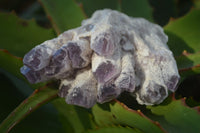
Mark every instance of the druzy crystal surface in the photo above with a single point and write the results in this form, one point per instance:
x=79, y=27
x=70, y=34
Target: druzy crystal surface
x=108, y=54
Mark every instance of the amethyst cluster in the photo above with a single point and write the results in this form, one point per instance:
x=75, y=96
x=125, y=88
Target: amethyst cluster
x=108, y=54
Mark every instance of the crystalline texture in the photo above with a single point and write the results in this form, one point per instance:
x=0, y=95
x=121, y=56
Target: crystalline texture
x=108, y=54
x=81, y=91
x=126, y=80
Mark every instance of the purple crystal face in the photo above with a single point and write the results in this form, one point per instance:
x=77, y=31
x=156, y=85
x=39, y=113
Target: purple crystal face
x=104, y=44
x=52, y=70
x=37, y=58
x=105, y=72
x=127, y=83
x=31, y=75
x=31, y=59
x=64, y=90
x=154, y=93
x=58, y=62
x=78, y=97
x=74, y=55
x=59, y=56
x=172, y=83
x=107, y=92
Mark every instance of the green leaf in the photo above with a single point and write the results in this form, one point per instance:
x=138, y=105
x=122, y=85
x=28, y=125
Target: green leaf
x=114, y=130
x=137, y=8
x=196, y=3
x=10, y=97
x=191, y=102
x=74, y=119
x=184, y=41
x=20, y=84
x=34, y=101
x=90, y=6
x=63, y=14
x=45, y=118
x=185, y=29
x=163, y=10
x=175, y=116
x=11, y=63
x=18, y=36
x=117, y=113
x=134, y=8
x=188, y=64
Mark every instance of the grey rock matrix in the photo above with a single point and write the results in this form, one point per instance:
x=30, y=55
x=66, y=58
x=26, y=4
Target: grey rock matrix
x=108, y=54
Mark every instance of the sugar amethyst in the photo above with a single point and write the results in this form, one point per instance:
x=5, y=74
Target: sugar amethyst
x=108, y=54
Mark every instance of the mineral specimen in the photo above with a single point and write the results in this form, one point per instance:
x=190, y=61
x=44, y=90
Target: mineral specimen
x=108, y=54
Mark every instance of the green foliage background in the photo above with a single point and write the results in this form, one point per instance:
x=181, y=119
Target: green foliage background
x=37, y=108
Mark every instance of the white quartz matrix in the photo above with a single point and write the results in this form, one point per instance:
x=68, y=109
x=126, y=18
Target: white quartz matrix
x=108, y=54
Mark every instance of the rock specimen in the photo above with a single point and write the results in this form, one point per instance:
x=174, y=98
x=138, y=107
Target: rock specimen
x=108, y=54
